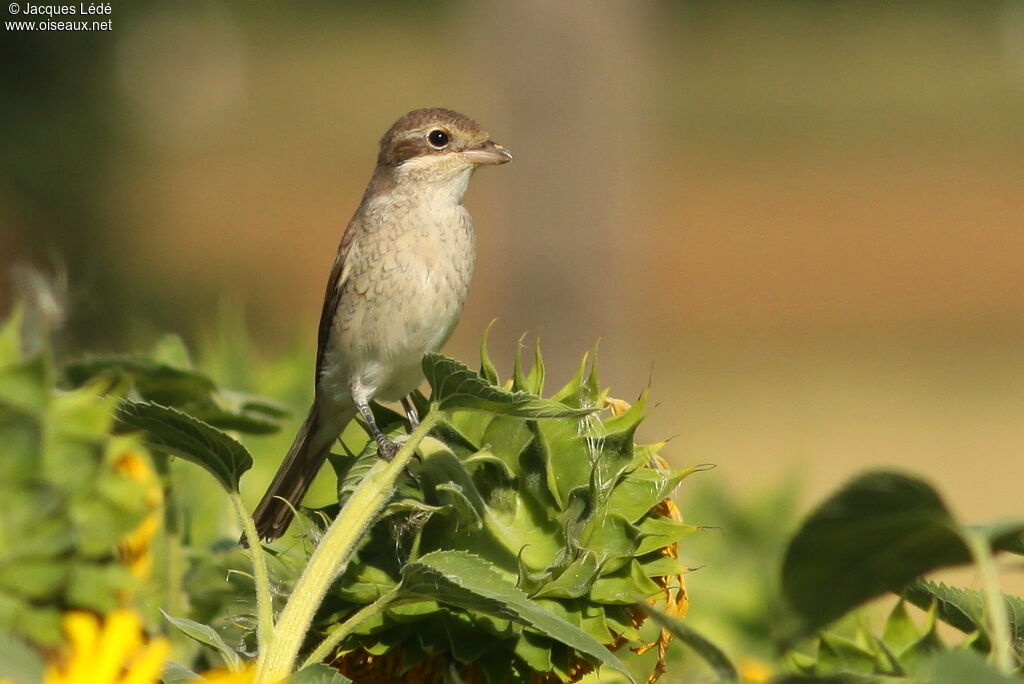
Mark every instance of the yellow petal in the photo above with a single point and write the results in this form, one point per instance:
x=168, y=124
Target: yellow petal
x=122, y=636
x=754, y=671
x=83, y=631
x=149, y=664
x=51, y=675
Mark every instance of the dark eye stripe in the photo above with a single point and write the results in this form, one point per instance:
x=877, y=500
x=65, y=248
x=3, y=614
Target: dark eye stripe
x=403, y=150
x=417, y=144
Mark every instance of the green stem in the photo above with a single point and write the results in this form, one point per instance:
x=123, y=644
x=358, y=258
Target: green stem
x=173, y=569
x=995, y=606
x=332, y=555
x=261, y=578
x=174, y=573
x=337, y=636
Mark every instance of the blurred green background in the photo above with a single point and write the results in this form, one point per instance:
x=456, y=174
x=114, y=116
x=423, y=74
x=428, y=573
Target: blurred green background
x=802, y=222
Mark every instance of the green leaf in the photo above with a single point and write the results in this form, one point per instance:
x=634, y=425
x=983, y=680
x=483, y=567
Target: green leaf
x=318, y=673
x=364, y=583
x=960, y=667
x=467, y=581
x=350, y=470
x=964, y=608
x=252, y=404
x=720, y=663
x=103, y=521
x=535, y=651
x=535, y=380
x=10, y=337
x=174, y=384
x=612, y=539
x=240, y=412
x=40, y=532
x=1013, y=544
x=644, y=488
x=180, y=434
x=839, y=654
x=518, y=377
x=455, y=386
x=85, y=413
x=830, y=679
x=171, y=350
x=900, y=631
x=657, y=565
x=466, y=641
x=876, y=534
x=98, y=587
x=174, y=673
x=1007, y=535
x=487, y=370
x=485, y=457
x=573, y=581
x=33, y=579
x=24, y=386
x=957, y=607
x=455, y=499
x=657, y=532
x=208, y=636
x=629, y=584
x=578, y=392
x=40, y=625
x=568, y=456
x=507, y=438
x=909, y=658
x=156, y=382
x=19, y=663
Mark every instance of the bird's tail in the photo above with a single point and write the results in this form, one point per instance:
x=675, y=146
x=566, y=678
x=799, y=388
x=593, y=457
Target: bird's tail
x=298, y=470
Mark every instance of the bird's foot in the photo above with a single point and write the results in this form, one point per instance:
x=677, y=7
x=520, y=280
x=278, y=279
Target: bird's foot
x=386, y=449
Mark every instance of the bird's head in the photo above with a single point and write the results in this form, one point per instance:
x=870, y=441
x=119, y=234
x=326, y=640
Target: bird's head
x=437, y=146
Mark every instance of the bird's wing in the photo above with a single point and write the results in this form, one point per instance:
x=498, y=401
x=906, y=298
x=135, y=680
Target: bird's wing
x=335, y=286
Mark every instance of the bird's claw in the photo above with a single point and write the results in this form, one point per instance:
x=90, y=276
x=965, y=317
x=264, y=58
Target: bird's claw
x=386, y=449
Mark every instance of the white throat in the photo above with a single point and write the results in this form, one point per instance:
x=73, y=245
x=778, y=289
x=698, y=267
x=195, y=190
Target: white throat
x=434, y=183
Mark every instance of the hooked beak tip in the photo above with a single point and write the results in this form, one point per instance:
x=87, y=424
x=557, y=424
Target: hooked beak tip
x=490, y=153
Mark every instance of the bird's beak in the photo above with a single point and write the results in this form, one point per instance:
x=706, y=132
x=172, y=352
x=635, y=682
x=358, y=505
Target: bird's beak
x=487, y=152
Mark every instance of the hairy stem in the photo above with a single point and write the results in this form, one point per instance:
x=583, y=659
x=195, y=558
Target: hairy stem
x=261, y=578
x=360, y=616
x=995, y=605
x=332, y=555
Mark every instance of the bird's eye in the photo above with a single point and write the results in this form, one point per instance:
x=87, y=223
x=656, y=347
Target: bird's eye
x=437, y=139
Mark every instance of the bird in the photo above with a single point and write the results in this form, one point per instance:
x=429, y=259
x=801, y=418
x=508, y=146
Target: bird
x=395, y=293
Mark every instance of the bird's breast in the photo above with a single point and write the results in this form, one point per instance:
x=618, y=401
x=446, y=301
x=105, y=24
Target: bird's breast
x=409, y=270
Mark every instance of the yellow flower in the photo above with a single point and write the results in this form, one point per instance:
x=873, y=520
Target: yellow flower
x=117, y=652
x=112, y=653
x=754, y=671
x=135, y=547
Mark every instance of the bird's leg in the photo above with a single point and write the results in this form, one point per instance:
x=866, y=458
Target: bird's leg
x=410, y=413
x=386, y=449
x=413, y=416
